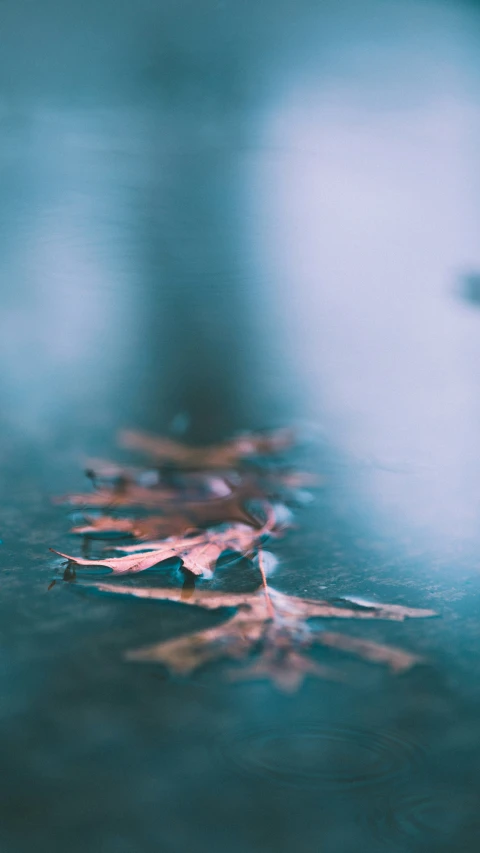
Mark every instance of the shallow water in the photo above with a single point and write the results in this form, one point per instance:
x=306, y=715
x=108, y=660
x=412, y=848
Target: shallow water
x=252, y=216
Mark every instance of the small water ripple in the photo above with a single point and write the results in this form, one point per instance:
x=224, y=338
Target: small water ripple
x=337, y=759
x=404, y=820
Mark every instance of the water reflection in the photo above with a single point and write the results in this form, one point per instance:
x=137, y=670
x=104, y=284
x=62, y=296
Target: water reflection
x=203, y=325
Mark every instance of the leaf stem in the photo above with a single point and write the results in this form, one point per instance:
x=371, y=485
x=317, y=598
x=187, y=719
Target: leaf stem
x=270, y=608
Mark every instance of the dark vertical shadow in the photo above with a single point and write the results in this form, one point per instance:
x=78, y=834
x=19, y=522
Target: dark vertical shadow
x=200, y=346
x=205, y=346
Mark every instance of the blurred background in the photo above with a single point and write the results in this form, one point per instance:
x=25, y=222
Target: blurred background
x=249, y=214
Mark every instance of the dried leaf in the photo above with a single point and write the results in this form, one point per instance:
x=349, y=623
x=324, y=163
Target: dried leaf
x=123, y=565
x=141, y=528
x=296, y=479
x=104, y=524
x=289, y=608
x=185, y=498
x=186, y=484
x=396, y=611
x=198, y=553
x=104, y=469
x=236, y=537
x=225, y=455
x=201, y=559
x=127, y=495
x=200, y=598
x=192, y=513
x=273, y=624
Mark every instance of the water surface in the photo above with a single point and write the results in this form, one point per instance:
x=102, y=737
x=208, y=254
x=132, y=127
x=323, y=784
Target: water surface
x=252, y=215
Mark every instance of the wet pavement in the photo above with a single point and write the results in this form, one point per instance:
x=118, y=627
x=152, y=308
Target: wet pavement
x=251, y=216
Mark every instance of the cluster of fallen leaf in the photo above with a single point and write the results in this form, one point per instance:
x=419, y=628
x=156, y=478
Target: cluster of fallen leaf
x=195, y=504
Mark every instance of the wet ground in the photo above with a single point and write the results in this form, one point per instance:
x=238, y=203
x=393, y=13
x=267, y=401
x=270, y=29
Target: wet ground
x=254, y=214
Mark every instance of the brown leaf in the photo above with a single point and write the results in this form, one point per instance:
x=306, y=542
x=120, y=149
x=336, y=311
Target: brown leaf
x=272, y=620
x=225, y=455
x=188, y=490
x=296, y=479
x=141, y=528
x=199, y=553
x=104, y=469
x=228, y=508
x=201, y=559
x=288, y=607
x=128, y=495
x=395, y=612
x=192, y=513
x=123, y=565
x=200, y=598
x=104, y=524
x=187, y=485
